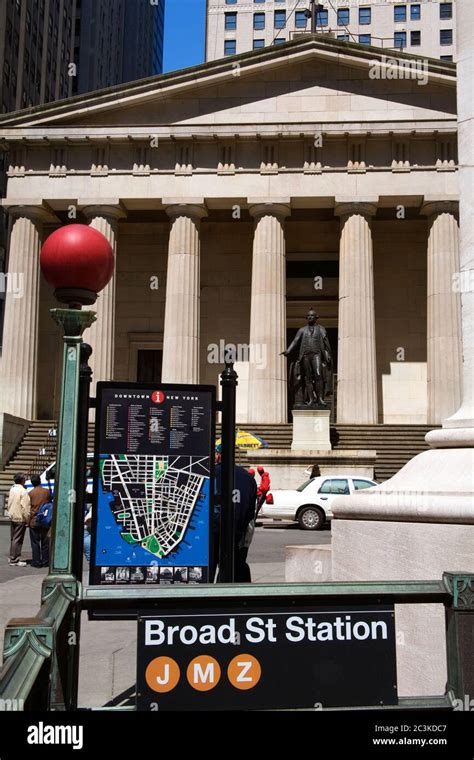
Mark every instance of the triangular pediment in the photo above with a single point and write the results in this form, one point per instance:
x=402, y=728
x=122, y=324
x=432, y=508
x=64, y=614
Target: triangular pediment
x=311, y=79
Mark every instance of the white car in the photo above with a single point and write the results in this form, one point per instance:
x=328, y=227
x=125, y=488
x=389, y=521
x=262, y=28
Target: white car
x=310, y=504
x=48, y=477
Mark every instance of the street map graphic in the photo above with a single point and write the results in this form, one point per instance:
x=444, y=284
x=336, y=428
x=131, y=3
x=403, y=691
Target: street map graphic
x=154, y=497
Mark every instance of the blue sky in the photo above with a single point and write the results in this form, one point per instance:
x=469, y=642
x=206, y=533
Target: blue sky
x=184, y=42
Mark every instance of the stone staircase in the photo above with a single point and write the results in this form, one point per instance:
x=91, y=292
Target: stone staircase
x=395, y=445
x=28, y=457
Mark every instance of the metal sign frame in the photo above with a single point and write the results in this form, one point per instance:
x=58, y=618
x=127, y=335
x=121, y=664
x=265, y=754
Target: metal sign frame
x=147, y=387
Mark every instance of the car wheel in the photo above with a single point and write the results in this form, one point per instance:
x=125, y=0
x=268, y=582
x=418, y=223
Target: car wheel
x=310, y=518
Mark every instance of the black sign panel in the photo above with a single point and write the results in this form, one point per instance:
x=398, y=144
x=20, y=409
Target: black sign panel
x=153, y=484
x=288, y=656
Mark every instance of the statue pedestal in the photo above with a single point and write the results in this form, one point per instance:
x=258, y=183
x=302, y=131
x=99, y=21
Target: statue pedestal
x=311, y=430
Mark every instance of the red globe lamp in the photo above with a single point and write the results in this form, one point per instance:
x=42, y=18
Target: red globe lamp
x=78, y=261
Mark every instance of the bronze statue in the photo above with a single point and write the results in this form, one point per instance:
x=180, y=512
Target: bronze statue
x=309, y=374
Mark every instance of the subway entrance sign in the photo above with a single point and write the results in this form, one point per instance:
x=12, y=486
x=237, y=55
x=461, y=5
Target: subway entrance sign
x=284, y=657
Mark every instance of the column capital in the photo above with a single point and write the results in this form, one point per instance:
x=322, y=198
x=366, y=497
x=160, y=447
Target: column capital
x=35, y=210
x=433, y=207
x=280, y=207
x=110, y=208
x=194, y=208
x=346, y=207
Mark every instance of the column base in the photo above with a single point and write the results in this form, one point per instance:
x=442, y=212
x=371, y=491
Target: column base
x=434, y=486
x=455, y=438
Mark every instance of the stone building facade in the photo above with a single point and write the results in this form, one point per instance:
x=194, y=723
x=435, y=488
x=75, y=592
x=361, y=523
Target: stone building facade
x=236, y=194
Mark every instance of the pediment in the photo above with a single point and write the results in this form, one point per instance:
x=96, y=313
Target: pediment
x=309, y=80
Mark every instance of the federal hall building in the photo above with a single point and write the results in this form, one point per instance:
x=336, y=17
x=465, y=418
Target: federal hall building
x=236, y=195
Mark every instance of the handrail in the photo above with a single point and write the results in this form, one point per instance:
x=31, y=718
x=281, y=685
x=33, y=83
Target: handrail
x=20, y=672
x=46, y=453
x=29, y=644
x=32, y=644
x=398, y=592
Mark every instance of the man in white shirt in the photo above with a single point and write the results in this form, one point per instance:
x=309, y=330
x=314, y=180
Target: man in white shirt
x=19, y=512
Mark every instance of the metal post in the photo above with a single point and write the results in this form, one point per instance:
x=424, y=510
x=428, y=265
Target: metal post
x=227, y=520
x=85, y=376
x=460, y=636
x=61, y=579
x=313, y=15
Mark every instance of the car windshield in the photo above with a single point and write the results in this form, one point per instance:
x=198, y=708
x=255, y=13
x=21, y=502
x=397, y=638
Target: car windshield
x=306, y=483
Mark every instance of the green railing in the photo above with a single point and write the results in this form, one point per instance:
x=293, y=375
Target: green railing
x=39, y=655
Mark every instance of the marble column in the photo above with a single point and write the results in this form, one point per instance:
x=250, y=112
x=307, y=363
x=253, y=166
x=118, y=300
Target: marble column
x=20, y=330
x=101, y=335
x=268, y=377
x=357, y=369
x=182, y=308
x=444, y=344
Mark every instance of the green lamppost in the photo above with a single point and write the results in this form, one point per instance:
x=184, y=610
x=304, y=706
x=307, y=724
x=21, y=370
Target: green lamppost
x=78, y=262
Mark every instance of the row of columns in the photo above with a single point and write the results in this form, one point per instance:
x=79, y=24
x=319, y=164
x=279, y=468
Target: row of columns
x=357, y=370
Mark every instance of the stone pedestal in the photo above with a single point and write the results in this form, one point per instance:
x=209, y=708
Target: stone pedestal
x=308, y=563
x=289, y=469
x=311, y=430
x=388, y=550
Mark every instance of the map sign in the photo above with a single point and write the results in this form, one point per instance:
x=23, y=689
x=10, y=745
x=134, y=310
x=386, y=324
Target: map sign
x=152, y=484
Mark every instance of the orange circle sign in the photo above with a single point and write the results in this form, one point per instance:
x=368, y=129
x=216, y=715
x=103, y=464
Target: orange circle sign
x=244, y=671
x=162, y=674
x=203, y=673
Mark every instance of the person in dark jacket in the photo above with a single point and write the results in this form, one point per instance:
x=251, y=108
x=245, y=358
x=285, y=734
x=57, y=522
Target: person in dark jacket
x=245, y=496
x=38, y=534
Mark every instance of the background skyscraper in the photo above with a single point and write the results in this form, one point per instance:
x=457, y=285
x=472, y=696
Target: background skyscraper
x=36, y=45
x=426, y=27
x=117, y=41
x=53, y=49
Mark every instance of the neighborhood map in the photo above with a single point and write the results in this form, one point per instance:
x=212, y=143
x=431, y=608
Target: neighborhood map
x=154, y=497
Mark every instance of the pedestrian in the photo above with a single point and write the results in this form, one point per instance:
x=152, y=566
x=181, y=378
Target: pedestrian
x=244, y=520
x=263, y=487
x=18, y=510
x=39, y=533
x=87, y=526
